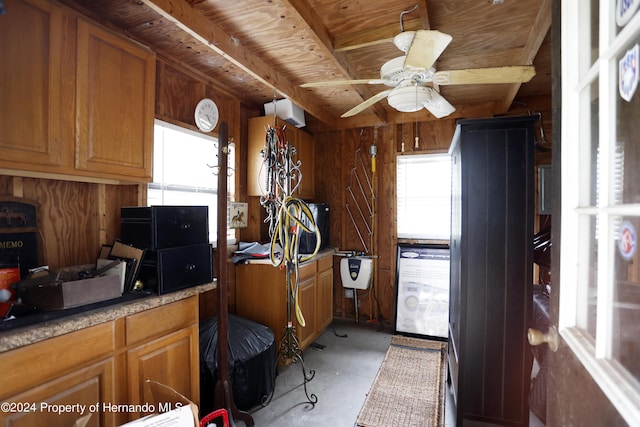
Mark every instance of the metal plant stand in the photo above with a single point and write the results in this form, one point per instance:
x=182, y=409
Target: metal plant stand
x=283, y=177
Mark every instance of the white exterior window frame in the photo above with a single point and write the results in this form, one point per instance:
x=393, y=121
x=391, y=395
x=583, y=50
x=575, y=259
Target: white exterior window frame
x=578, y=74
x=414, y=220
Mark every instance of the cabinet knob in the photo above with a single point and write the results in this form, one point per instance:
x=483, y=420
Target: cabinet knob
x=536, y=337
x=185, y=226
x=190, y=267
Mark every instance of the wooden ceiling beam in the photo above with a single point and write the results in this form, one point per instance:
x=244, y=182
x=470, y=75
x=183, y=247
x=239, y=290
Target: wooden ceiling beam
x=423, y=8
x=477, y=109
x=374, y=36
x=213, y=37
x=322, y=37
x=536, y=37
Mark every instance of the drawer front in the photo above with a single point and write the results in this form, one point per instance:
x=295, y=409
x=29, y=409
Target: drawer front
x=308, y=269
x=183, y=267
x=325, y=263
x=160, y=227
x=161, y=320
x=180, y=226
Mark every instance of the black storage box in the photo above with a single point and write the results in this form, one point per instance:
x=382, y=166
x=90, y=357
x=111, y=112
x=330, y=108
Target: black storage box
x=172, y=269
x=159, y=227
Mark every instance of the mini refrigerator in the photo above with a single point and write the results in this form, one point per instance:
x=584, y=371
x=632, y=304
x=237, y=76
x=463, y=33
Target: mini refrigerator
x=422, y=291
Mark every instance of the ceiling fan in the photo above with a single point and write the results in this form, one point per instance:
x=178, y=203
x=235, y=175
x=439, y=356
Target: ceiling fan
x=414, y=82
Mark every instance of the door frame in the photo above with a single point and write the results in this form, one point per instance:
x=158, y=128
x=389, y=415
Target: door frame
x=573, y=396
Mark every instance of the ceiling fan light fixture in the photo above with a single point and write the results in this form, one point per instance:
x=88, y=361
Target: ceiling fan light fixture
x=403, y=40
x=394, y=73
x=409, y=99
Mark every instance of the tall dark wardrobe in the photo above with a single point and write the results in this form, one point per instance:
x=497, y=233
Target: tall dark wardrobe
x=491, y=269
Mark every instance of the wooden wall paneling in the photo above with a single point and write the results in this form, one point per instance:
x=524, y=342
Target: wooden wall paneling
x=328, y=188
x=178, y=90
x=386, y=225
x=70, y=225
x=176, y=93
x=229, y=110
x=115, y=197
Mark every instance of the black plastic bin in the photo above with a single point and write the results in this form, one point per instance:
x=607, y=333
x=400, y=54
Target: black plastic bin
x=252, y=362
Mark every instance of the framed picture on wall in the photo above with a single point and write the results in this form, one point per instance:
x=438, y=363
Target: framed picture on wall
x=238, y=213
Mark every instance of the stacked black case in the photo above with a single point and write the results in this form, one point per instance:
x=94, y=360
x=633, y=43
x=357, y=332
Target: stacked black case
x=178, y=254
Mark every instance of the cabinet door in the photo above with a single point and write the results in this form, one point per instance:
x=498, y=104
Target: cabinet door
x=172, y=360
x=36, y=107
x=86, y=390
x=256, y=172
x=261, y=296
x=307, y=302
x=114, y=105
x=325, y=292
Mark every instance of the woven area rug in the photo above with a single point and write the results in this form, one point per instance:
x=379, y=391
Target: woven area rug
x=409, y=389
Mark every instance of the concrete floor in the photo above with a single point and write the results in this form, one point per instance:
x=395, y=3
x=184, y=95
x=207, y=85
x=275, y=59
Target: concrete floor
x=344, y=372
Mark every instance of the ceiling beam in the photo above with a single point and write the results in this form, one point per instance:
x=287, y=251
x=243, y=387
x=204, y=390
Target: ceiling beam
x=424, y=14
x=383, y=34
x=213, y=37
x=538, y=32
x=374, y=36
x=477, y=109
x=311, y=19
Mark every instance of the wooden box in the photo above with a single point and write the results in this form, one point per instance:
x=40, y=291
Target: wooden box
x=61, y=295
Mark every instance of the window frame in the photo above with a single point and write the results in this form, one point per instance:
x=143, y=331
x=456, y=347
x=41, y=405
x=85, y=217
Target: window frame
x=432, y=155
x=578, y=210
x=231, y=185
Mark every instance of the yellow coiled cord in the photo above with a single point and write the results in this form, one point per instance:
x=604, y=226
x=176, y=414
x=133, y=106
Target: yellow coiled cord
x=293, y=217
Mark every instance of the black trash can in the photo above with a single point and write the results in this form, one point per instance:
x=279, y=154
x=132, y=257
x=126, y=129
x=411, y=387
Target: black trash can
x=252, y=362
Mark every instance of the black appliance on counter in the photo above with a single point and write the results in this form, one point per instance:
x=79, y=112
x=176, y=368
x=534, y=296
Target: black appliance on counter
x=178, y=254
x=320, y=213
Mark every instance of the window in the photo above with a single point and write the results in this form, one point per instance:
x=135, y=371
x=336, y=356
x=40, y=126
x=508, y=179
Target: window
x=424, y=196
x=183, y=172
x=600, y=268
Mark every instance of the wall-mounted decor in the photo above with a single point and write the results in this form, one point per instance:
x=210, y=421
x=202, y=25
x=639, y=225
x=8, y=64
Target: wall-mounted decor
x=238, y=212
x=20, y=232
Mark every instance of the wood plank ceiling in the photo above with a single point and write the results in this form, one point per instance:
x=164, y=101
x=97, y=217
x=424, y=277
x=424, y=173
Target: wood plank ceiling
x=261, y=49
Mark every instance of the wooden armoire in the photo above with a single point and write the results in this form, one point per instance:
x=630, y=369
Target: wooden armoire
x=492, y=212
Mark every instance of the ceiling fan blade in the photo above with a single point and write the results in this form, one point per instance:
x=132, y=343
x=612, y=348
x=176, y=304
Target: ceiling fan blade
x=510, y=74
x=346, y=82
x=437, y=105
x=366, y=104
x=425, y=49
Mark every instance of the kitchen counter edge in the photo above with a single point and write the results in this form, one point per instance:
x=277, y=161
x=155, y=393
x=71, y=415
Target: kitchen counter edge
x=20, y=337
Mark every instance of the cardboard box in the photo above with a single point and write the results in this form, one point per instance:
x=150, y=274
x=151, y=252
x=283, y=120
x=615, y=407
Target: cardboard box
x=182, y=413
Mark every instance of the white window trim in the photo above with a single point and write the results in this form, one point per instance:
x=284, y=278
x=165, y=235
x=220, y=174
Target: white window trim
x=606, y=372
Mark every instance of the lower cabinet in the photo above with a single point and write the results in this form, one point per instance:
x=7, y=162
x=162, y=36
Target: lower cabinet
x=163, y=360
x=95, y=369
x=85, y=390
x=261, y=296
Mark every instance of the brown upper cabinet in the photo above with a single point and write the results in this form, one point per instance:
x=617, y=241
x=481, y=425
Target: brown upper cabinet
x=77, y=100
x=301, y=140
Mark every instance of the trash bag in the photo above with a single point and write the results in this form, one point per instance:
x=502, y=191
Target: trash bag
x=252, y=362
